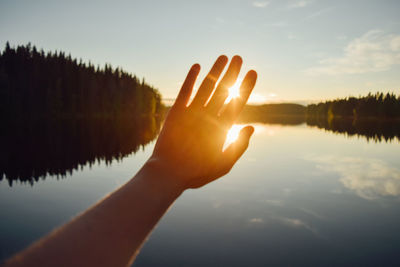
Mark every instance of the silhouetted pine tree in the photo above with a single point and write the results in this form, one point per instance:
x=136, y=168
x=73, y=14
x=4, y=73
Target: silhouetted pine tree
x=376, y=105
x=35, y=84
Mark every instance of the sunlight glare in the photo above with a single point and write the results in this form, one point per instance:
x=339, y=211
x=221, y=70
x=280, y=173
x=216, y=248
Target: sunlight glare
x=234, y=91
x=233, y=134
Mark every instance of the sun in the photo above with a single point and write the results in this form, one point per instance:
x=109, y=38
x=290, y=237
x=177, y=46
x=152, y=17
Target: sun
x=234, y=91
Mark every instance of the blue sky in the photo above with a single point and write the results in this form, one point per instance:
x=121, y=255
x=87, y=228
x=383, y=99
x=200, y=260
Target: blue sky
x=301, y=49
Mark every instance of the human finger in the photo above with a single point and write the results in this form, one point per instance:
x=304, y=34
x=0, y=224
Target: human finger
x=235, y=106
x=187, y=87
x=221, y=92
x=207, y=86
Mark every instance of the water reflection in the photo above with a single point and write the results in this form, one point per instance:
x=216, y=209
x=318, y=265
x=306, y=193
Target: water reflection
x=34, y=149
x=298, y=197
x=369, y=178
x=372, y=129
x=271, y=119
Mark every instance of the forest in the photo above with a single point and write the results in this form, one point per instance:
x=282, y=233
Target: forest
x=59, y=114
x=375, y=116
x=35, y=84
x=378, y=105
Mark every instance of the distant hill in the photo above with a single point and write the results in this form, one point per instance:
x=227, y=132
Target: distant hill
x=373, y=106
x=285, y=113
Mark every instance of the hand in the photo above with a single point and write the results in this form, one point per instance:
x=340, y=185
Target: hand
x=189, y=149
x=188, y=154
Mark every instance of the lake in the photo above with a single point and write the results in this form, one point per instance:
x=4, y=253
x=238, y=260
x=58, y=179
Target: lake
x=300, y=196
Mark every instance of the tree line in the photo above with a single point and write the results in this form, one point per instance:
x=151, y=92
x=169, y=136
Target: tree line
x=378, y=105
x=35, y=84
x=375, y=116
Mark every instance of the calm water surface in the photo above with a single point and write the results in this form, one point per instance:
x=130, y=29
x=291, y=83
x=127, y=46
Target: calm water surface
x=300, y=196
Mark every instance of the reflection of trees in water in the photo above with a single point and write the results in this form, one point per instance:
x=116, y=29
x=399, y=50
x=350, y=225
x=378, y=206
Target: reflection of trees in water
x=283, y=114
x=274, y=119
x=34, y=149
x=376, y=130
x=61, y=91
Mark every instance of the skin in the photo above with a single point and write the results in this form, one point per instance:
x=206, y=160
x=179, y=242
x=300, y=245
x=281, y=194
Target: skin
x=188, y=154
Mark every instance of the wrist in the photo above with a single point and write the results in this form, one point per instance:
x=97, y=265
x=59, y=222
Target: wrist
x=161, y=179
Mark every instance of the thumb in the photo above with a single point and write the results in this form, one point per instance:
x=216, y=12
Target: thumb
x=234, y=151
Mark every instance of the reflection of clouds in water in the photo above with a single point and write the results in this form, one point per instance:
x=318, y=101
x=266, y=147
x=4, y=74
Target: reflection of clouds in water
x=313, y=213
x=336, y=191
x=369, y=178
x=294, y=222
x=221, y=204
x=297, y=223
x=256, y=220
x=285, y=221
x=288, y=191
x=274, y=202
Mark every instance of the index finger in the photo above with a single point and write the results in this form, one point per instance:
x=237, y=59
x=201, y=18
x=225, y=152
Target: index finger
x=187, y=87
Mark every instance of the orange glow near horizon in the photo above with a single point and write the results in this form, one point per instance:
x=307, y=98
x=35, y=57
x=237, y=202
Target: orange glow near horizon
x=254, y=98
x=258, y=99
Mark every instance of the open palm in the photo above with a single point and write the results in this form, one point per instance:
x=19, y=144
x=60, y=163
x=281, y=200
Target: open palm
x=190, y=145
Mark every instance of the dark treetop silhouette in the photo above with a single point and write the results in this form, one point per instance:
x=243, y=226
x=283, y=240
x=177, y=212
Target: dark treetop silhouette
x=57, y=113
x=34, y=84
x=378, y=105
x=188, y=154
x=375, y=116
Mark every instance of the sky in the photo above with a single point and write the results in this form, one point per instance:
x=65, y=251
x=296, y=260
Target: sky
x=303, y=50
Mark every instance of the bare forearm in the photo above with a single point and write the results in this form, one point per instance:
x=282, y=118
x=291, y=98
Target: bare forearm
x=111, y=232
x=188, y=154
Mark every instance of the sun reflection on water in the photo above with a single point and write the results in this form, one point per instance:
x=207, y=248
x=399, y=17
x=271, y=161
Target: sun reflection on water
x=233, y=134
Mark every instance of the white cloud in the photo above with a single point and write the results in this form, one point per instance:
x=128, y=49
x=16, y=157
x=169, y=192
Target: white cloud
x=395, y=43
x=368, y=178
x=261, y=4
x=375, y=51
x=274, y=202
x=299, y=4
